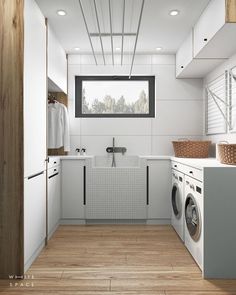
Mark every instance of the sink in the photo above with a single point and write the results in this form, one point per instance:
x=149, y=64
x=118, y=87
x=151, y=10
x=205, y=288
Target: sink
x=122, y=161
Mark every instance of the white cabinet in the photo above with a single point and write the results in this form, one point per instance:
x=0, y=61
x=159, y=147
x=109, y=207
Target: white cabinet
x=189, y=67
x=159, y=189
x=54, y=200
x=211, y=42
x=35, y=150
x=34, y=216
x=73, y=189
x=214, y=33
x=57, y=62
x=34, y=89
x=185, y=54
x=209, y=23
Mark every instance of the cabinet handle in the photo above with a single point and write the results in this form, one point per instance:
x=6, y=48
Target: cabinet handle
x=205, y=39
x=35, y=175
x=53, y=175
x=84, y=185
x=191, y=172
x=182, y=67
x=55, y=162
x=175, y=166
x=147, y=185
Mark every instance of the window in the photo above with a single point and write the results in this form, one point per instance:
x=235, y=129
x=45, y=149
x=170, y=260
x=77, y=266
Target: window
x=115, y=96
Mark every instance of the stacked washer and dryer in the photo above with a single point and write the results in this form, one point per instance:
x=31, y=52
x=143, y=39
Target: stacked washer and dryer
x=187, y=211
x=203, y=213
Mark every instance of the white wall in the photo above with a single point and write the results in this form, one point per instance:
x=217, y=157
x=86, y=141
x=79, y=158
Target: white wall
x=179, y=109
x=227, y=65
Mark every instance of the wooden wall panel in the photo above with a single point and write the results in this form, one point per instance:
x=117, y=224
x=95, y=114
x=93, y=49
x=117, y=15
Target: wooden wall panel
x=230, y=11
x=11, y=137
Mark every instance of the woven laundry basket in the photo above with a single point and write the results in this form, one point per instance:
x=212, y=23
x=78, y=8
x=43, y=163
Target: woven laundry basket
x=227, y=153
x=191, y=148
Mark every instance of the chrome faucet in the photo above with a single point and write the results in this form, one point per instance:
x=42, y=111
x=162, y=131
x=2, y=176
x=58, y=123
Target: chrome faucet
x=114, y=150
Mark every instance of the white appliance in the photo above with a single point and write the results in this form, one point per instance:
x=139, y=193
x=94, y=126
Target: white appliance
x=193, y=213
x=53, y=200
x=177, y=203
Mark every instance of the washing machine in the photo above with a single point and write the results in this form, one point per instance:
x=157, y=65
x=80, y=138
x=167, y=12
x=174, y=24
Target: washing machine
x=177, y=203
x=193, y=215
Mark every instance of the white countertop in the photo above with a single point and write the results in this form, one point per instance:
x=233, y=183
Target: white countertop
x=153, y=157
x=75, y=157
x=201, y=163
x=192, y=162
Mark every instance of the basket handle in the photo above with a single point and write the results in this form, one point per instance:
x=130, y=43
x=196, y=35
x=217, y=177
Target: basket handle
x=223, y=141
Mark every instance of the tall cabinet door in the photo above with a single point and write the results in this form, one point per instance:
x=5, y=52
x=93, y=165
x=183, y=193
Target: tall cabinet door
x=34, y=89
x=34, y=216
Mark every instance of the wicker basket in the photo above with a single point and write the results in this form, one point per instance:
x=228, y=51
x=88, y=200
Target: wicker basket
x=191, y=149
x=227, y=153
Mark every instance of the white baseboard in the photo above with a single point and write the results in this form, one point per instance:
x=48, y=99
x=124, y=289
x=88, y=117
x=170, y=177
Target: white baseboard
x=114, y=221
x=72, y=221
x=158, y=221
x=34, y=256
x=53, y=231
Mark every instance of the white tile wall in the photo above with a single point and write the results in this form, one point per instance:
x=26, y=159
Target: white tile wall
x=162, y=145
x=136, y=145
x=179, y=109
x=116, y=126
x=174, y=117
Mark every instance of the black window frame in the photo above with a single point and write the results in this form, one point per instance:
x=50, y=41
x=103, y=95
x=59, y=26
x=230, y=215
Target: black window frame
x=78, y=96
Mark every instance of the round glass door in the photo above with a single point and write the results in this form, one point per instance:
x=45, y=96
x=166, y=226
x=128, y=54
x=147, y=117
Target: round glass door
x=192, y=217
x=176, y=201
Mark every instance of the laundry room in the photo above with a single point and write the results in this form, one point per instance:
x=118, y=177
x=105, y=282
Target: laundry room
x=118, y=147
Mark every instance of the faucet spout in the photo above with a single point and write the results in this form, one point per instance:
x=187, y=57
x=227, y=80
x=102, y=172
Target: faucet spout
x=113, y=164
x=113, y=150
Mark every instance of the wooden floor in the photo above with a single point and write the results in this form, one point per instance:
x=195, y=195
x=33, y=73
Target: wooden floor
x=115, y=259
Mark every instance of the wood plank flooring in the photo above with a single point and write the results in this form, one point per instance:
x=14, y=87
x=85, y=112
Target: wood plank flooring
x=115, y=260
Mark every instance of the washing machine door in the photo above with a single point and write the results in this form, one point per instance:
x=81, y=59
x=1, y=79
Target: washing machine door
x=176, y=201
x=192, y=217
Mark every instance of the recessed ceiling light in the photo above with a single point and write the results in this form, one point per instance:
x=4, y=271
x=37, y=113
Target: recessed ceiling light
x=61, y=12
x=174, y=12
x=118, y=49
x=158, y=48
x=77, y=48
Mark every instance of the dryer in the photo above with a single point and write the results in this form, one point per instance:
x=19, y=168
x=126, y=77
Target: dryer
x=193, y=212
x=177, y=203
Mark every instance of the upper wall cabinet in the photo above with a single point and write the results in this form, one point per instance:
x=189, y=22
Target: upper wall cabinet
x=184, y=55
x=57, y=62
x=189, y=67
x=211, y=41
x=214, y=33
